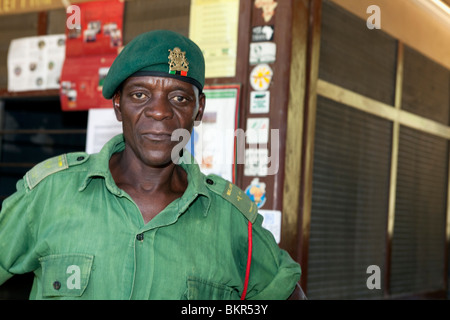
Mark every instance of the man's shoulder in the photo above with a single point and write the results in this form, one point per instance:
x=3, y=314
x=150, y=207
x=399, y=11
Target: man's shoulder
x=52, y=166
x=233, y=194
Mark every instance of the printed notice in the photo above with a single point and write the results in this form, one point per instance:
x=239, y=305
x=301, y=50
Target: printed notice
x=213, y=139
x=272, y=222
x=214, y=27
x=35, y=63
x=102, y=126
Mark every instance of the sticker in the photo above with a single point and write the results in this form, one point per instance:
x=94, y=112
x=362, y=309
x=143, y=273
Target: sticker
x=256, y=162
x=262, y=52
x=256, y=191
x=272, y=222
x=259, y=101
x=260, y=77
x=262, y=33
x=257, y=130
x=268, y=8
x=178, y=63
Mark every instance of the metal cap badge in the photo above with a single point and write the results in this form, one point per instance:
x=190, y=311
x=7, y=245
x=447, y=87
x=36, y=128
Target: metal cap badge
x=178, y=63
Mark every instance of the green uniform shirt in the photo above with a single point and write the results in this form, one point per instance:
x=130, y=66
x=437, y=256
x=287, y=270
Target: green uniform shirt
x=84, y=238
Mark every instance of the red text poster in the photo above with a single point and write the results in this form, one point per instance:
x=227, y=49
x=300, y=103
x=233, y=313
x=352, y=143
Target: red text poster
x=90, y=50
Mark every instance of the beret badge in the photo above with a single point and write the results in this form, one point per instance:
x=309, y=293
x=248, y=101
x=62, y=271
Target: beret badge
x=178, y=63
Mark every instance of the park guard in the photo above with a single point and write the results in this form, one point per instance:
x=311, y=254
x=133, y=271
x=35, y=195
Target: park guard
x=130, y=222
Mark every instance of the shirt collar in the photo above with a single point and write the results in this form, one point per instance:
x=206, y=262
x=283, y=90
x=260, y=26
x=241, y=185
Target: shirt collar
x=99, y=164
x=196, y=184
x=99, y=167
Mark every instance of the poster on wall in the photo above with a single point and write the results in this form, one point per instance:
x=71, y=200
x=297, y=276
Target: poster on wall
x=90, y=51
x=214, y=139
x=35, y=63
x=214, y=27
x=102, y=126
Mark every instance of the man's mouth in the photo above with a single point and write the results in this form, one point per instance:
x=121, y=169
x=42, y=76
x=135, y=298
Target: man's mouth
x=157, y=136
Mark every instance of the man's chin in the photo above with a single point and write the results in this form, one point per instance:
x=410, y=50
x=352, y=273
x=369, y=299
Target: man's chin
x=160, y=159
x=157, y=162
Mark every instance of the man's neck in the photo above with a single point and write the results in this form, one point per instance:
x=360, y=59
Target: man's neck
x=128, y=170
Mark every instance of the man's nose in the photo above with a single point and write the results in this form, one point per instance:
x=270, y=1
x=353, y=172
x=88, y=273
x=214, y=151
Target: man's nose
x=159, y=108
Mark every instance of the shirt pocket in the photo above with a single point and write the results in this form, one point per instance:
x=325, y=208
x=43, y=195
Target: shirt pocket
x=65, y=275
x=198, y=289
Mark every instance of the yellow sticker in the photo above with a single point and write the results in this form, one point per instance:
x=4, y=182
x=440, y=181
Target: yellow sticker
x=261, y=77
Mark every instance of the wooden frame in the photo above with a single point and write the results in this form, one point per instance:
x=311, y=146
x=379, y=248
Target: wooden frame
x=394, y=166
x=300, y=143
x=302, y=110
x=297, y=83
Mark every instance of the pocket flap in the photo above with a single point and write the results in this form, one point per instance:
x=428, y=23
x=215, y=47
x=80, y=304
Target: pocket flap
x=198, y=289
x=65, y=274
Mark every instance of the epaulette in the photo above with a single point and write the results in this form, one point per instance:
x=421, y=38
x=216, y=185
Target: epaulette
x=234, y=195
x=52, y=165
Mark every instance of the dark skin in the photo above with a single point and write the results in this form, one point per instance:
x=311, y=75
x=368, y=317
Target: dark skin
x=298, y=293
x=150, y=109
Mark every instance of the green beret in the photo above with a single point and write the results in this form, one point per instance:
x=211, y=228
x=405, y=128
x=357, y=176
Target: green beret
x=159, y=53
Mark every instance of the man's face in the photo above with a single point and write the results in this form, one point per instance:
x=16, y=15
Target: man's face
x=150, y=109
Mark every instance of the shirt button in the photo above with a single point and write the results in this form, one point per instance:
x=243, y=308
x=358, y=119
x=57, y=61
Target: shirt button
x=80, y=158
x=140, y=237
x=56, y=285
x=209, y=181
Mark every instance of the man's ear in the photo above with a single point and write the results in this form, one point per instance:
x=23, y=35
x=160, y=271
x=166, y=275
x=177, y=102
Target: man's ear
x=116, y=106
x=201, y=107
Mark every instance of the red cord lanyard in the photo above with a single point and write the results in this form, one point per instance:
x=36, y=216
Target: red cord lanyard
x=249, y=260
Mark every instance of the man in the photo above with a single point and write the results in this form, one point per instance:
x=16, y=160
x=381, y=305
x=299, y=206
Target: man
x=133, y=222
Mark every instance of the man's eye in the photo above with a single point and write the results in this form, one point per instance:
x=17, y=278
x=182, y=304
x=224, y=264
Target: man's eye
x=138, y=95
x=180, y=99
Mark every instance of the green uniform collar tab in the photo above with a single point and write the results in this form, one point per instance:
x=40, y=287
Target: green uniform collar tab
x=100, y=164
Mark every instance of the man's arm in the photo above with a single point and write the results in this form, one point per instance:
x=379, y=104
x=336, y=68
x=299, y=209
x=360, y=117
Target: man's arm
x=274, y=272
x=16, y=241
x=298, y=293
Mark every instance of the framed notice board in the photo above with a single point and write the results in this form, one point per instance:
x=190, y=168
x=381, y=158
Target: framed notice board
x=213, y=141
